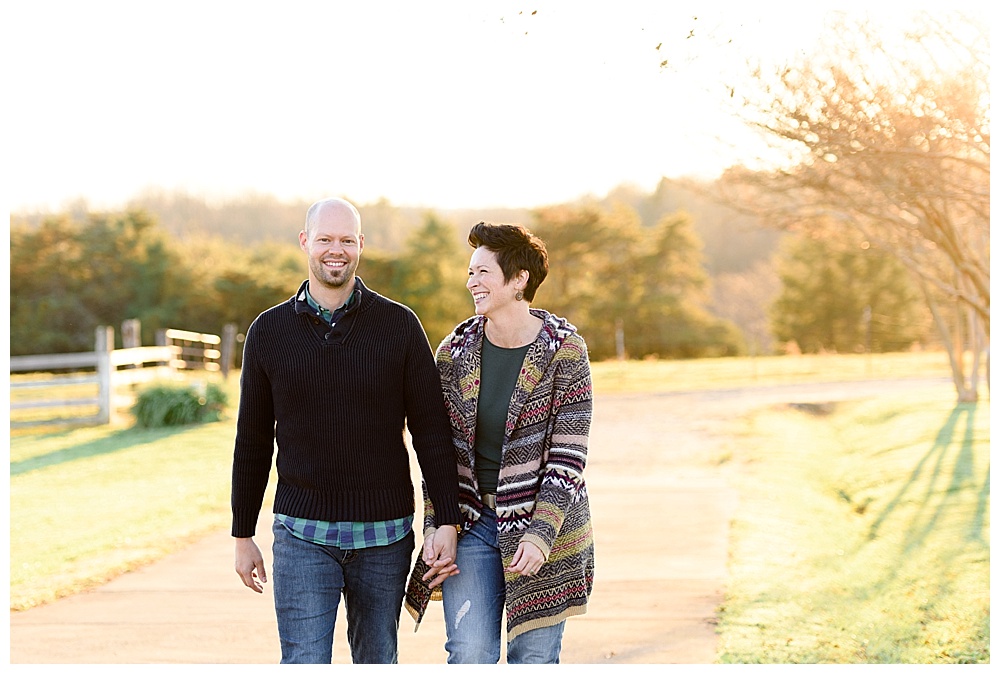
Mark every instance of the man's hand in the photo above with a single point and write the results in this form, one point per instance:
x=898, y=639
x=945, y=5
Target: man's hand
x=440, y=550
x=527, y=560
x=250, y=564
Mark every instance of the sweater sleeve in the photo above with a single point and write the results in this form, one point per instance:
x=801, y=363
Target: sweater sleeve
x=254, y=439
x=430, y=429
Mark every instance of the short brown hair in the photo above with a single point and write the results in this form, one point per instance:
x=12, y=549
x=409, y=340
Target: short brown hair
x=516, y=248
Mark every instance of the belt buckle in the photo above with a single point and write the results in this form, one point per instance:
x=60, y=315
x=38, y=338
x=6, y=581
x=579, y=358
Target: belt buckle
x=490, y=501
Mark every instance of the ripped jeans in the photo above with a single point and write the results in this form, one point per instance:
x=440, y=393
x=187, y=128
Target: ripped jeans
x=474, y=606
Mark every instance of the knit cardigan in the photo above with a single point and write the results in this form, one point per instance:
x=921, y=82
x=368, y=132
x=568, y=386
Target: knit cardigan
x=541, y=496
x=336, y=401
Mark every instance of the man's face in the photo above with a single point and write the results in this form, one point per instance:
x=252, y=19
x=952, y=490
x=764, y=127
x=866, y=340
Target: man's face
x=333, y=245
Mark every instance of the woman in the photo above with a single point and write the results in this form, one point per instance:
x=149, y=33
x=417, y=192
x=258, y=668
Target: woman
x=516, y=383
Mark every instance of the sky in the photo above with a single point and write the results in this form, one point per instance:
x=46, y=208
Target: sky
x=450, y=104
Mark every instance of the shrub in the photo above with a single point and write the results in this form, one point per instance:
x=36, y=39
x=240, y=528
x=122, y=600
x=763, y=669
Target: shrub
x=174, y=405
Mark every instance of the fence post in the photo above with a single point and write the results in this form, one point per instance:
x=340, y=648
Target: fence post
x=104, y=343
x=227, y=348
x=131, y=333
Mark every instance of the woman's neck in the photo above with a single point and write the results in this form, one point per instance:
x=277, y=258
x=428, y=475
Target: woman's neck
x=511, y=330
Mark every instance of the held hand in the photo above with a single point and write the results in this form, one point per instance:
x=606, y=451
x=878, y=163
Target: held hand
x=527, y=560
x=440, y=549
x=250, y=564
x=427, y=553
x=445, y=543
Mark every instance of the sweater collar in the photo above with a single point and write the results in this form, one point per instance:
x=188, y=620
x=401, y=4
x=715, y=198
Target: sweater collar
x=305, y=304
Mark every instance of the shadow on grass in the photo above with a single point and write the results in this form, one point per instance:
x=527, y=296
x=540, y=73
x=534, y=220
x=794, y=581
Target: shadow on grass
x=933, y=472
x=128, y=438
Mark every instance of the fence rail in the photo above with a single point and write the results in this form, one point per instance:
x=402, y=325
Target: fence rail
x=115, y=373
x=196, y=350
x=55, y=361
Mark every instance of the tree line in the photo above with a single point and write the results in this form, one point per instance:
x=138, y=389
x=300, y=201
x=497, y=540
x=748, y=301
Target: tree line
x=634, y=287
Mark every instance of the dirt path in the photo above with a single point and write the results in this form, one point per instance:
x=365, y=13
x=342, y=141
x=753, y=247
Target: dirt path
x=661, y=509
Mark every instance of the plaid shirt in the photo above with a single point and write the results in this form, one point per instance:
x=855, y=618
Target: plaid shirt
x=348, y=535
x=344, y=535
x=331, y=316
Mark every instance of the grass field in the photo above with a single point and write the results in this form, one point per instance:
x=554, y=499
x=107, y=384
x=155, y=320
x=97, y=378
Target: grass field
x=862, y=536
x=720, y=373
x=88, y=504
x=889, y=541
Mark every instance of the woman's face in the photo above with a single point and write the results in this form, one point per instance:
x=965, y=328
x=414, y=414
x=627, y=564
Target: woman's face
x=489, y=291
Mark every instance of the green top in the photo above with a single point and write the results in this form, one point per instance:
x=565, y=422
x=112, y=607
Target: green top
x=498, y=376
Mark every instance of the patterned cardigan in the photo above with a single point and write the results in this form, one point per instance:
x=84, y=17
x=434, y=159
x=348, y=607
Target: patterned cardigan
x=541, y=495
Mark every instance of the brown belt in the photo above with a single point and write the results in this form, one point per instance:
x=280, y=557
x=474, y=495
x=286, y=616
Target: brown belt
x=490, y=501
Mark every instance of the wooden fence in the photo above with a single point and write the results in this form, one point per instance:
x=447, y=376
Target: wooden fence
x=66, y=381
x=193, y=350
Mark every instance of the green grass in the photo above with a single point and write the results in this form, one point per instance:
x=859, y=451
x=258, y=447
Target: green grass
x=862, y=536
x=88, y=504
x=712, y=373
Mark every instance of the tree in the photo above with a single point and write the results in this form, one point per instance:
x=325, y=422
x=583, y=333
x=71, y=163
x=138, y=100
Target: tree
x=45, y=316
x=131, y=270
x=670, y=318
x=573, y=236
x=890, y=138
x=613, y=278
x=431, y=278
x=744, y=298
x=844, y=299
x=620, y=284
x=67, y=278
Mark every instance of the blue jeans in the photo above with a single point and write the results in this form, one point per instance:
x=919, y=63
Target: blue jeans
x=308, y=581
x=474, y=606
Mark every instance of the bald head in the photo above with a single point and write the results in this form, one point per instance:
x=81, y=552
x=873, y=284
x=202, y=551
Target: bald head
x=339, y=209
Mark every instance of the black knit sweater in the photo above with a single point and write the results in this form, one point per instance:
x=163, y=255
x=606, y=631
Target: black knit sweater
x=335, y=401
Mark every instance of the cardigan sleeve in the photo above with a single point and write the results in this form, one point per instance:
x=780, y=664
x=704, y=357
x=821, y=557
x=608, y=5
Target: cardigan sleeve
x=566, y=443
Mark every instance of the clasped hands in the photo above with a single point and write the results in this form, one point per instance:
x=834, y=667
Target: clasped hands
x=440, y=550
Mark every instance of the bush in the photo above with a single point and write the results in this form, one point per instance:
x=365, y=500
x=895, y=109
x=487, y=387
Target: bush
x=172, y=405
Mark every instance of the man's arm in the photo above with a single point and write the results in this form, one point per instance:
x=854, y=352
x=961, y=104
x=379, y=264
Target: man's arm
x=251, y=464
x=254, y=446
x=430, y=429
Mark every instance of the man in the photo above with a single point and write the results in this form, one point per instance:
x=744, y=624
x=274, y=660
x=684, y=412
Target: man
x=332, y=376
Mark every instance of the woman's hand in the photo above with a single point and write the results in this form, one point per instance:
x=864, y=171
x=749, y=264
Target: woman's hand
x=527, y=560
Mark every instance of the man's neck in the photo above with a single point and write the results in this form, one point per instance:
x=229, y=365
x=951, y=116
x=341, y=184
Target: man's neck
x=331, y=298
